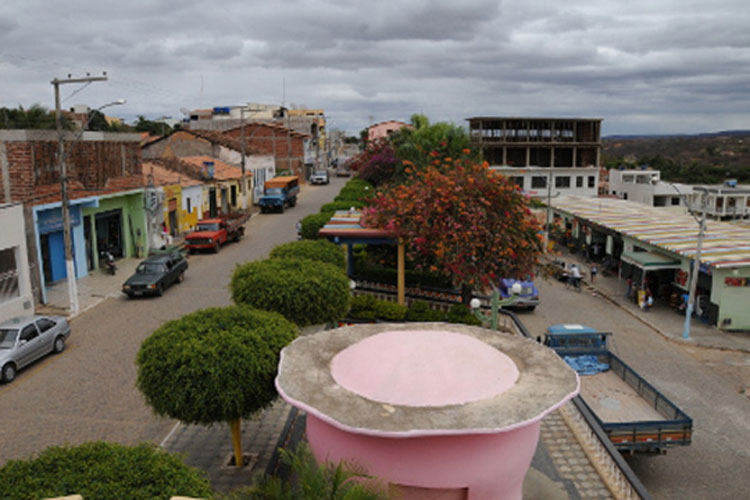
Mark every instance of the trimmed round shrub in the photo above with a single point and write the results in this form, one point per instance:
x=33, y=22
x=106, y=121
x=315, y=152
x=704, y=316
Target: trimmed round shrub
x=363, y=307
x=341, y=205
x=102, y=471
x=312, y=224
x=356, y=190
x=420, y=310
x=320, y=250
x=213, y=365
x=302, y=290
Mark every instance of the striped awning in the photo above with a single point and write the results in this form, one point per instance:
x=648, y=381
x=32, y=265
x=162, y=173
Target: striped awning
x=724, y=244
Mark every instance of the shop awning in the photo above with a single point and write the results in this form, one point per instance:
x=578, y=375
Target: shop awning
x=650, y=261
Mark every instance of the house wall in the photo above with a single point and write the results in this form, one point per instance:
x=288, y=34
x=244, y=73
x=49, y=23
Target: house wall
x=733, y=300
x=15, y=283
x=288, y=149
x=193, y=196
x=132, y=227
x=524, y=177
x=383, y=129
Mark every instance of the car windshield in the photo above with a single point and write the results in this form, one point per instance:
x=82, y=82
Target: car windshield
x=208, y=226
x=321, y=173
x=149, y=268
x=274, y=191
x=8, y=337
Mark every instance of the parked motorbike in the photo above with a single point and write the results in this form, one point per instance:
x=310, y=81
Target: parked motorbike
x=109, y=262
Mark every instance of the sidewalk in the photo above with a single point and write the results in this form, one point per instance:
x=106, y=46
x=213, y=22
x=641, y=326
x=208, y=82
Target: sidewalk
x=661, y=318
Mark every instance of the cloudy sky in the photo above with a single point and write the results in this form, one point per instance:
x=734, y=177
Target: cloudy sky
x=644, y=66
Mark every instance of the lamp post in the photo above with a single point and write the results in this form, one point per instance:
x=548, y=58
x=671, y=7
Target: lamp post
x=243, y=187
x=495, y=304
x=65, y=208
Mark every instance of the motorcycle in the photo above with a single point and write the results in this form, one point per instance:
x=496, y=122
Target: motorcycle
x=109, y=262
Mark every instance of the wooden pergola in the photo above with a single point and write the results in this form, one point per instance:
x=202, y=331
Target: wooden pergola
x=345, y=228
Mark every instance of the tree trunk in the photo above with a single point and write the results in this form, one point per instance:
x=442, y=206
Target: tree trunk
x=236, y=426
x=467, y=292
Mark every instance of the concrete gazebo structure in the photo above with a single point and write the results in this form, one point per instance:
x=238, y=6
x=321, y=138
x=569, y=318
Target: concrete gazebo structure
x=448, y=410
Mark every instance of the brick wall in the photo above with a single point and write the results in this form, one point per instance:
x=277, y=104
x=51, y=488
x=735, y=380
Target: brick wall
x=30, y=160
x=287, y=147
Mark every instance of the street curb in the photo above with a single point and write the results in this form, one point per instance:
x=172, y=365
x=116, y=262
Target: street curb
x=678, y=341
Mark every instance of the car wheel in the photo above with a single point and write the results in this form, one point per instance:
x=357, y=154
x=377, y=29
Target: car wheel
x=530, y=308
x=9, y=373
x=59, y=345
x=159, y=290
x=180, y=277
x=215, y=249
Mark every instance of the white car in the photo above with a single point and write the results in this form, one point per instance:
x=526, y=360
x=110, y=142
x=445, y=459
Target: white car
x=319, y=177
x=24, y=340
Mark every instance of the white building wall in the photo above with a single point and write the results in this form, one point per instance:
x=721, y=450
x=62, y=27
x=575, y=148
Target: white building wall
x=14, y=300
x=645, y=186
x=567, y=186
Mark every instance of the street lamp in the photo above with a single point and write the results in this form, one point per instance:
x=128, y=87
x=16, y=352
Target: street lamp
x=65, y=203
x=495, y=304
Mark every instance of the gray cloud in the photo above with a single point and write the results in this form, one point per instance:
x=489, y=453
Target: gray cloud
x=644, y=66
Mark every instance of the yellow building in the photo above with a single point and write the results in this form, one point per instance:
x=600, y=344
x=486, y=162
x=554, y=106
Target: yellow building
x=182, y=197
x=224, y=193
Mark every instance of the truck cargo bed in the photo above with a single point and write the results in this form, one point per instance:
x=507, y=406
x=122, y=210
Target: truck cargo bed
x=614, y=400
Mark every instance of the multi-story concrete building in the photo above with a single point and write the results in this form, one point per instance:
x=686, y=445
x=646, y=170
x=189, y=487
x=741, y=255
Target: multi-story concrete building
x=723, y=201
x=544, y=156
x=645, y=186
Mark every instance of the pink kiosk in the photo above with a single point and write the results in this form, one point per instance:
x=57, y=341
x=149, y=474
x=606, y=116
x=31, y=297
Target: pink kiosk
x=437, y=410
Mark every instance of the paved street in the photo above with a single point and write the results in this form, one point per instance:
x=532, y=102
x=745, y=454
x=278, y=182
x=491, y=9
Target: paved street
x=88, y=392
x=717, y=464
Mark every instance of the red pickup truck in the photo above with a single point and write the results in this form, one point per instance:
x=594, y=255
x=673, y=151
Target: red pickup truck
x=210, y=234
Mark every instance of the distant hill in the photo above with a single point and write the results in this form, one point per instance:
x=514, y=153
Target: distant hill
x=724, y=153
x=742, y=133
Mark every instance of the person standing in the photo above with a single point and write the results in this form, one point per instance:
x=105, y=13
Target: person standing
x=594, y=270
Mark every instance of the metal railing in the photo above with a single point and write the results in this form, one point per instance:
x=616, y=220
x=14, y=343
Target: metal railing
x=8, y=285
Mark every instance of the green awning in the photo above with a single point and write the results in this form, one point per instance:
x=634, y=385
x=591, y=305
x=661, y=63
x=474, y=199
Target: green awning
x=650, y=261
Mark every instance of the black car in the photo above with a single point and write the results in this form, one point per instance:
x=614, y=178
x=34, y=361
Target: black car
x=155, y=274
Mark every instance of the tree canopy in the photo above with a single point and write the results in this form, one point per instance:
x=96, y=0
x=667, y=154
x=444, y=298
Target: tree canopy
x=102, y=471
x=213, y=365
x=460, y=219
x=35, y=117
x=424, y=142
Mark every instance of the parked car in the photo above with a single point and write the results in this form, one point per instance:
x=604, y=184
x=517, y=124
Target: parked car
x=24, y=340
x=343, y=171
x=320, y=177
x=155, y=274
x=527, y=296
x=210, y=234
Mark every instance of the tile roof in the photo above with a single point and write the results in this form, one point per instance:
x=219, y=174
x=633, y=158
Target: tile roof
x=724, y=244
x=163, y=176
x=222, y=171
x=50, y=193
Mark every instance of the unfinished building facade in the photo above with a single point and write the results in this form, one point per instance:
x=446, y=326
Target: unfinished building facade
x=544, y=156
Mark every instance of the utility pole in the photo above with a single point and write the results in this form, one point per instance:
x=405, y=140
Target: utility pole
x=69, y=264
x=696, y=269
x=242, y=160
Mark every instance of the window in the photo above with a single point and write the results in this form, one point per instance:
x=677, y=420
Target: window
x=189, y=208
x=518, y=181
x=562, y=181
x=29, y=333
x=675, y=200
x=44, y=324
x=579, y=181
x=538, y=182
x=592, y=181
x=8, y=275
x=233, y=195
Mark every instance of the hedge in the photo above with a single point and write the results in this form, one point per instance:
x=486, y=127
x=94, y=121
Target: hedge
x=303, y=291
x=102, y=471
x=312, y=224
x=355, y=190
x=319, y=250
x=213, y=365
x=341, y=205
x=420, y=310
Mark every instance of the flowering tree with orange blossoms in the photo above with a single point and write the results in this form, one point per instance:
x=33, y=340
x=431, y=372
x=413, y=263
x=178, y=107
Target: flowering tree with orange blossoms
x=460, y=219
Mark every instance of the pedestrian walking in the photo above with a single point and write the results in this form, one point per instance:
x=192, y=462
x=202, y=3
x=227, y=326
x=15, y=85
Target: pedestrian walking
x=594, y=270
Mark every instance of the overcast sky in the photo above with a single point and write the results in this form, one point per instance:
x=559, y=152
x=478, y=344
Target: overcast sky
x=644, y=66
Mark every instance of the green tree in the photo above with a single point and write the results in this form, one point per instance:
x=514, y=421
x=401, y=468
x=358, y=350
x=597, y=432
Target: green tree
x=97, y=121
x=102, y=471
x=302, y=290
x=152, y=127
x=425, y=143
x=36, y=117
x=214, y=365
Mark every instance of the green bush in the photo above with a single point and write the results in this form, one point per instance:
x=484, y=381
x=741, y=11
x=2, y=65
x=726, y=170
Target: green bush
x=363, y=306
x=102, y=471
x=461, y=313
x=312, y=224
x=420, y=310
x=213, y=365
x=304, y=291
x=390, y=311
x=319, y=250
x=367, y=271
x=341, y=205
x=355, y=190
